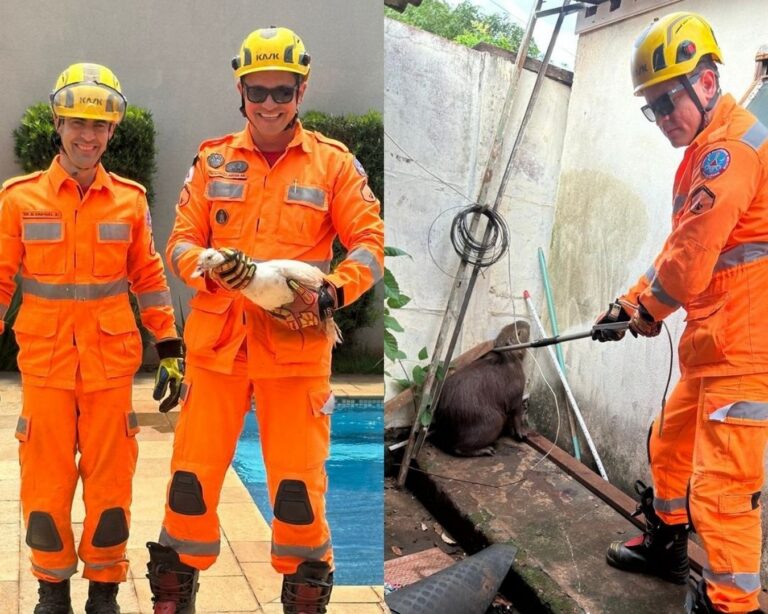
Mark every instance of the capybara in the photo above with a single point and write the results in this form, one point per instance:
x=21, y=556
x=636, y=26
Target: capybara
x=481, y=398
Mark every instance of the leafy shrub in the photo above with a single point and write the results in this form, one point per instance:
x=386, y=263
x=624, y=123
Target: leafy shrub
x=364, y=135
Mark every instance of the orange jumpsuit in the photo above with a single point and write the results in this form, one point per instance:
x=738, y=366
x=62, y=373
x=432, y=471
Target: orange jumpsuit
x=293, y=210
x=78, y=351
x=714, y=264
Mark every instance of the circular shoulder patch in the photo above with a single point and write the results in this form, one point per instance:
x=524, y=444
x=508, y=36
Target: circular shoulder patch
x=359, y=168
x=715, y=163
x=215, y=160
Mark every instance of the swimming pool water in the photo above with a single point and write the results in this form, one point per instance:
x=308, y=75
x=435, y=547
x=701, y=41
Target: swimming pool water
x=355, y=498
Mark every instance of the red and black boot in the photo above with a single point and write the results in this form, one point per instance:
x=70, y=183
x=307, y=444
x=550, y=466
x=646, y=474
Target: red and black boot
x=307, y=591
x=662, y=550
x=174, y=585
x=53, y=598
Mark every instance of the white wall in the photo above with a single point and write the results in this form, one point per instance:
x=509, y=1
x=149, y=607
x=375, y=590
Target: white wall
x=442, y=104
x=174, y=59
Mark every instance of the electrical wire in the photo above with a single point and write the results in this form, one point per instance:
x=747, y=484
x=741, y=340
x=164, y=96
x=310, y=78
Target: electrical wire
x=669, y=379
x=486, y=251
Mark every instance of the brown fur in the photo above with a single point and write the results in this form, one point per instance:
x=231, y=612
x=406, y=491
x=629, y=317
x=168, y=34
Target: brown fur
x=479, y=400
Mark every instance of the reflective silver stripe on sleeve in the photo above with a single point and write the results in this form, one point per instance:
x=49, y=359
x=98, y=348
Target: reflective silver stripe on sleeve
x=222, y=189
x=329, y=405
x=747, y=582
x=76, y=292
x=741, y=254
x=669, y=505
x=302, y=552
x=187, y=546
x=3, y=311
x=650, y=274
x=756, y=135
x=679, y=202
x=661, y=295
x=305, y=194
x=362, y=255
x=749, y=410
x=161, y=298
x=63, y=574
x=178, y=251
x=114, y=232
x=42, y=231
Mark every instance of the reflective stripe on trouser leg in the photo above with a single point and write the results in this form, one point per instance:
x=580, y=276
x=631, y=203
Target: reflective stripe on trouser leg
x=206, y=435
x=295, y=439
x=107, y=431
x=48, y=433
x=727, y=474
x=672, y=452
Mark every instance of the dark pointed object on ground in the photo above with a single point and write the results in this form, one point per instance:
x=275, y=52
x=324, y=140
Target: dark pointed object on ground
x=467, y=586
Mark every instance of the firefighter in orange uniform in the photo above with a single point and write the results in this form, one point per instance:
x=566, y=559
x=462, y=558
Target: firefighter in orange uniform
x=271, y=191
x=82, y=237
x=706, y=451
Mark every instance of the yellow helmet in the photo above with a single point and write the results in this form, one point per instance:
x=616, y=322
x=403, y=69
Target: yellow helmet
x=272, y=48
x=88, y=91
x=671, y=46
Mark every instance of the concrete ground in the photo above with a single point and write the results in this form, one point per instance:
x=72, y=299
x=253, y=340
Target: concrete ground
x=242, y=580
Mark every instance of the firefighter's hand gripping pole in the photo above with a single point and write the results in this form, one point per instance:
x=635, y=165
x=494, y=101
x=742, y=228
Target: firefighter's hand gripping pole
x=560, y=374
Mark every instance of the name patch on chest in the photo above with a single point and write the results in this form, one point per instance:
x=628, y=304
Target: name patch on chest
x=40, y=214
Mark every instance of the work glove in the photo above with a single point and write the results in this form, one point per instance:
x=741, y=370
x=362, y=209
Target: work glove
x=309, y=307
x=169, y=374
x=642, y=323
x=235, y=272
x=614, y=313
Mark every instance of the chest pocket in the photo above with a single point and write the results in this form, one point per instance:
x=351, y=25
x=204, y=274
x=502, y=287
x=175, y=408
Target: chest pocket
x=227, y=201
x=44, y=247
x=304, y=215
x=110, y=254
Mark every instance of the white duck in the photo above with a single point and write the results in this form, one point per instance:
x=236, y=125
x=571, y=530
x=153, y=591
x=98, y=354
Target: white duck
x=269, y=287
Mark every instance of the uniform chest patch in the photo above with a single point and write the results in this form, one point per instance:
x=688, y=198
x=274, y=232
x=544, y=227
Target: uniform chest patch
x=215, y=160
x=702, y=200
x=36, y=214
x=222, y=217
x=715, y=163
x=236, y=166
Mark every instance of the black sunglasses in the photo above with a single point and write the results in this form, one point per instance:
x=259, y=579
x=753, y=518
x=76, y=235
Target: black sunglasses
x=281, y=94
x=664, y=105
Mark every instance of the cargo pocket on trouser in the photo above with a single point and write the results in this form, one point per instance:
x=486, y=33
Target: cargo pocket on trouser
x=727, y=477
x=703, y=341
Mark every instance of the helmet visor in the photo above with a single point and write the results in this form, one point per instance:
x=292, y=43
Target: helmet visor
x=89, y=101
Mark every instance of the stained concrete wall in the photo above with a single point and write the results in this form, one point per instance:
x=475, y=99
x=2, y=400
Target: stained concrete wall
x=613, y=212
x=174, y=59
x=442, y=106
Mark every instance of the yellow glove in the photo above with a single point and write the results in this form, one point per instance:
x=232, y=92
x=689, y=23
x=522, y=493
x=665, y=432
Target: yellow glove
x=169, y=374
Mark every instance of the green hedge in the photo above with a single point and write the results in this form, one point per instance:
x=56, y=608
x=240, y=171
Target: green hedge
x=364, y=135
x=131, y=153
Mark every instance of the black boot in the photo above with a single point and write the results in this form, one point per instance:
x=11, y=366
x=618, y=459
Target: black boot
x=173, y=584
x=697, y=601
x=102, y=598
x=662, y=550
x=307, y=591
x=53, y=598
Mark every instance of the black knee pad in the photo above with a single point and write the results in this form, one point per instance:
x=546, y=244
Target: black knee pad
x=186, y=495
x=112, y=528
x=292, y=503
x=42, y=534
